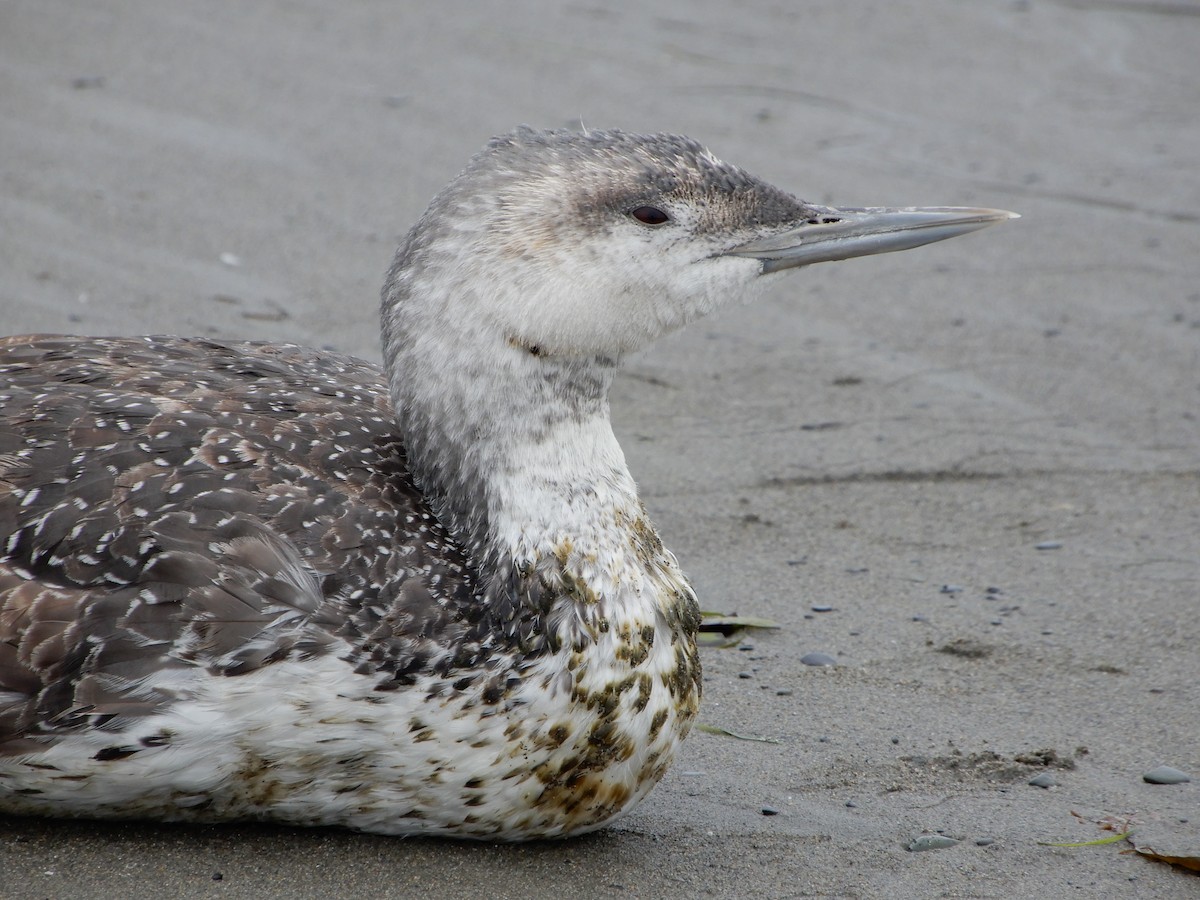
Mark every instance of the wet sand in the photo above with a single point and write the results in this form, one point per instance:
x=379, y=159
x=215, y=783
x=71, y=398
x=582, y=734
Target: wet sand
x=893, y=437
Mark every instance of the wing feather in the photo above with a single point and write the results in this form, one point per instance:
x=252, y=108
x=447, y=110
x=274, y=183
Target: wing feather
x=188, y=508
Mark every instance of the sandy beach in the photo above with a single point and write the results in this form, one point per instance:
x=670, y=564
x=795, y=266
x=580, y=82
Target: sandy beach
x=969, y=473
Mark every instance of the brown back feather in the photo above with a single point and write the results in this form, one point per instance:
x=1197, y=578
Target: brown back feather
x=173, y=505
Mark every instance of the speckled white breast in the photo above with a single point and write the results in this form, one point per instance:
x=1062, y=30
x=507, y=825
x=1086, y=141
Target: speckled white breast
x=585, y=734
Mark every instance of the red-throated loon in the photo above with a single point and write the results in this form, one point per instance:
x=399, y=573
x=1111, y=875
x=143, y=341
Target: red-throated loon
x=257, y=581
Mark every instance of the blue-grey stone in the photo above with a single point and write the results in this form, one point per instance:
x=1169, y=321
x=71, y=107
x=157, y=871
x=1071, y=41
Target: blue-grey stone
x=1166, y=775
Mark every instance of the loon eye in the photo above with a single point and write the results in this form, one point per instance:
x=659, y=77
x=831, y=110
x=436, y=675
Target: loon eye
x=650, y=215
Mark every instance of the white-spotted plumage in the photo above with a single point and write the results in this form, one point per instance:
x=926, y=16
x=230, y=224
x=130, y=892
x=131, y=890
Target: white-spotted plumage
x=254, y=581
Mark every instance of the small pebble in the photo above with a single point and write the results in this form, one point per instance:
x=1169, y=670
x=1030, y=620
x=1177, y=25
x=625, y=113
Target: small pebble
x=931, y=842
x=1048, y=545
x=1166, y=775
x=1045, y=780
x=919, y=619
x=992, y=590
x=783, y=692
x=744, y=675
x=770, y=811
x=746, y=648
x=217, y=876
x=822, y=607
x=984, y=842
x=951, y=589
x=818, y=659
x=895, y=740
x=850, y=804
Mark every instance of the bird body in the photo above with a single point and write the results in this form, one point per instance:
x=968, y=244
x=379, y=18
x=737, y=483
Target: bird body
x=256, y=581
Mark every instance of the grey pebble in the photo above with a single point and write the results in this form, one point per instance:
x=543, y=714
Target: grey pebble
x=919, y=618
x=783, y=692
x=770, y=811
x=930, y=842
x=1166, y=775
x=1045, y=780
x=951, y=589
x=822, y=607
x=744, y=675
x=818, y=659
x=850, y=804
x=984, y=842
x=1048, y=545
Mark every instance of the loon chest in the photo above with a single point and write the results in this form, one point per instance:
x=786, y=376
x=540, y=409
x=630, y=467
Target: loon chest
x=583, y=737
x=573, y=739
x=579, y=734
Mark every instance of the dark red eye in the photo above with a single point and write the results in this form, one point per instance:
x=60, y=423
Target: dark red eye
x=650, y=215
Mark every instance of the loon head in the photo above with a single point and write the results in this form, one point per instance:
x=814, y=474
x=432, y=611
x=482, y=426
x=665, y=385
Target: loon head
x=571, y=244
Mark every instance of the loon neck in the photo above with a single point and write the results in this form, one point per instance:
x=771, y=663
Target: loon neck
x=514, y=450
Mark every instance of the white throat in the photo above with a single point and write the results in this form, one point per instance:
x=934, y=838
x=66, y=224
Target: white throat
x=513, y=449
